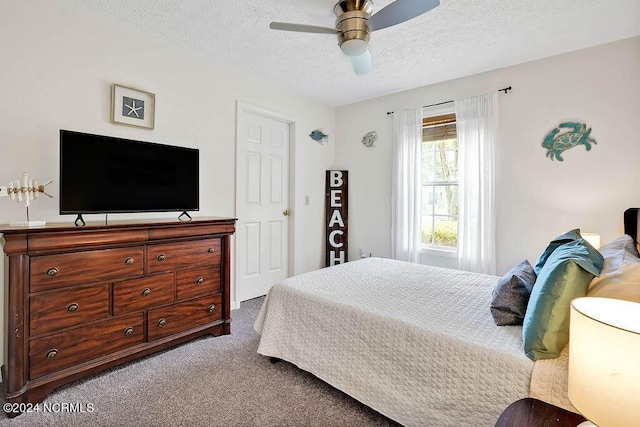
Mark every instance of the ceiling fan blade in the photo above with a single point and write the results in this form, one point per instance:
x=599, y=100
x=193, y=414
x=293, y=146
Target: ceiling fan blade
x=400, y=11
x=301, y=28
x=361, y=63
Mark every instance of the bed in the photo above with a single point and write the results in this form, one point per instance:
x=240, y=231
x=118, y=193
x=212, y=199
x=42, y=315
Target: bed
x=436, y=358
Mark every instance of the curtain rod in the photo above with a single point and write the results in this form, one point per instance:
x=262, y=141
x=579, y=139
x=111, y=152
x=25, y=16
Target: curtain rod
x=505, y=89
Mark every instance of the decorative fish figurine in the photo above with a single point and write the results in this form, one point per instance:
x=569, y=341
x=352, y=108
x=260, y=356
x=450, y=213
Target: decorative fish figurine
x=369, y=138
x=319, y=136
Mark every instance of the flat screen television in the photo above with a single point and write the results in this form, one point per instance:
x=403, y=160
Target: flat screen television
x=103, y=174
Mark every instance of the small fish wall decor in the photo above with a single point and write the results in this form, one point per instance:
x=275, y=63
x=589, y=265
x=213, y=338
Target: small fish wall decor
x=369, y=138
x=319, y=136
x=565, y=136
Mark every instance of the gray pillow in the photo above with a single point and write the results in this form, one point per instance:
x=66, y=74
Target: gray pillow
x=511, y=295
x=624, y=242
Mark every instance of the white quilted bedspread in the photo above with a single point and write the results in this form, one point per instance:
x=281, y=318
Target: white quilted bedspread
x=549, y=381
x=414, y=342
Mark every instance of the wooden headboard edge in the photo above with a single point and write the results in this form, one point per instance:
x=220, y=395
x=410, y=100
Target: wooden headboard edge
x=631, y=223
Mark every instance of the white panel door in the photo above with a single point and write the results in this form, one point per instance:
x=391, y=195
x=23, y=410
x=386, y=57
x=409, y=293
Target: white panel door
x=262, y=203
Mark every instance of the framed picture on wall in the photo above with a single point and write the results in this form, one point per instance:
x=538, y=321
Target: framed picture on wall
x=132, y=107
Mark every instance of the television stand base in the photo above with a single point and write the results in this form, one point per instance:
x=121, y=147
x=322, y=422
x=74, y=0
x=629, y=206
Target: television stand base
x=183, y=214
x=79, y=222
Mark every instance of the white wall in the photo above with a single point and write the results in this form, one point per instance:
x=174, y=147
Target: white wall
x=57, y=69
x=537, y=198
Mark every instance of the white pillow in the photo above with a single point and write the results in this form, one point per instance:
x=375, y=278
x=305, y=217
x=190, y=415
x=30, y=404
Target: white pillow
x=624, y=242
x=620, y=275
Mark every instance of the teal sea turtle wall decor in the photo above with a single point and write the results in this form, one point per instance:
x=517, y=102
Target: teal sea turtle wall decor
x=574, y=134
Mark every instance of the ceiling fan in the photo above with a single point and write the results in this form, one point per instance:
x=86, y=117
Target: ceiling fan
x=355, y=22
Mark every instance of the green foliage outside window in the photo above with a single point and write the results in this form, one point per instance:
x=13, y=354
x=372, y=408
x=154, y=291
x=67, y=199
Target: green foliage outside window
x=440, y=191
x=446, y=234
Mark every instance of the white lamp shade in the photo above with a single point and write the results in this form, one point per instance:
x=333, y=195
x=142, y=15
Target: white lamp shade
x=604, y=360
x=593, y=239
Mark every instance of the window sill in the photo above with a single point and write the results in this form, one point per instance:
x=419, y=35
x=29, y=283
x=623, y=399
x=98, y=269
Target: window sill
x=440, y=252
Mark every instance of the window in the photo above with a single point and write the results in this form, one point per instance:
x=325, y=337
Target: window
x=439, y=221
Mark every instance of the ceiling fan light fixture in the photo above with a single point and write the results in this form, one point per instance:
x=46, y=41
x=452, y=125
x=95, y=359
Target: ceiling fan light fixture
x=354, y=34
x=355, y=21
x=343, y=6
x=354, y=47
x=361, y=64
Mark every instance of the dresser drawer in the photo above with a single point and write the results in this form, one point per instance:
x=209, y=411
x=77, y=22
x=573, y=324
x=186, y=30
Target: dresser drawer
x=179, y=317
x=52, y=271
x=59, y=351
x=68, y=308
x=197, y=281
x=140, y=294
x=170, y=256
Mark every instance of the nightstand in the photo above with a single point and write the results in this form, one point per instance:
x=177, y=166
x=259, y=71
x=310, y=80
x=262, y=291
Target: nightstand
x=536, y=413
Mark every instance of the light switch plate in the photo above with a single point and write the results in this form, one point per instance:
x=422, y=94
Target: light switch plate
x=3, y=192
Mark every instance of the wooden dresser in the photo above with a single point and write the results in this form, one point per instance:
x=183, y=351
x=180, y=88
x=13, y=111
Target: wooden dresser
x=83, y=299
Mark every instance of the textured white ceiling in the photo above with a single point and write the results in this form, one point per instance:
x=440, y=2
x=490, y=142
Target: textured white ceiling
x=458, y=38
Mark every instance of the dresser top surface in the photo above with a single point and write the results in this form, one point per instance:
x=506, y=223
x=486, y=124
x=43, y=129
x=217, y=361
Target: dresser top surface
x=122, y=224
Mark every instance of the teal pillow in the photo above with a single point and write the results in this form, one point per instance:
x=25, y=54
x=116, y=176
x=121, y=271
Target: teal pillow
x=567, y=237
x=565, y=275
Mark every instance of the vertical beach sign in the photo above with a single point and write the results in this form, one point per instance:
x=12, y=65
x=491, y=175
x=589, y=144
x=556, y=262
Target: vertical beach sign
x=336, y=214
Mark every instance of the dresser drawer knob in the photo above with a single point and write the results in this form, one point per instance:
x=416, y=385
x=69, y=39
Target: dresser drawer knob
x=52, y=271
x=199, y=281
x=146, y=292
x=212, y=308
x=51, y=354
x=161, y=257
x=211, y=250
x=129, y=261
x=128, y=332
x=72, y=308
x=162, y=322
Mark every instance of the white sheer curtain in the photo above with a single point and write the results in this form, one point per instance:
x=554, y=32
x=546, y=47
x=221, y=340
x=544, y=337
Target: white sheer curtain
x=477, y=127
x=406, y=185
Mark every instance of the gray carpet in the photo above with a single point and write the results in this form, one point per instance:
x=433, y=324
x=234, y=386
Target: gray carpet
x=206, y=382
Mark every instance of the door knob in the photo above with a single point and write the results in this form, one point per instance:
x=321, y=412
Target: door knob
x=286, y=212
